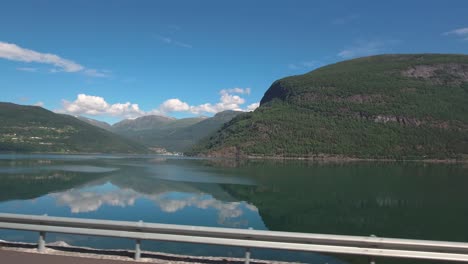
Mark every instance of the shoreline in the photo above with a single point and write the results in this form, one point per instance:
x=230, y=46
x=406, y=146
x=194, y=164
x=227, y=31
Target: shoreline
x=318, y=158
x=349, y=159
x=337, y=159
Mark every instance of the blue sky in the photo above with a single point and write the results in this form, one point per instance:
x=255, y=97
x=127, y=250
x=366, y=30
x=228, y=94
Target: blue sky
x=117, y=59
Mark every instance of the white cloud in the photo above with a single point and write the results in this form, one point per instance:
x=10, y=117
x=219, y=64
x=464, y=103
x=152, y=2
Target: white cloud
x=366, y=48
x=174, y=105
x=228, y=98
x=41, y=104
x=460, y=32
x=236, y=90
x=253, y=106
x=14, y=52
x=95, y=105
x=228, y=101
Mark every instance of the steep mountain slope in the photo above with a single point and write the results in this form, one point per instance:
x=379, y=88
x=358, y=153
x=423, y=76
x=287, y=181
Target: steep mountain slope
x=35, y=129
x=387, y=106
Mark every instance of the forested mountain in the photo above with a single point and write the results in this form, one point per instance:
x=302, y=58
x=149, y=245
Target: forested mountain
x=387, y=106
x=35, y=129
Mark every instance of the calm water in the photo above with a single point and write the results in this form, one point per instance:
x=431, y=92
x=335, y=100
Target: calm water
x=406, y=200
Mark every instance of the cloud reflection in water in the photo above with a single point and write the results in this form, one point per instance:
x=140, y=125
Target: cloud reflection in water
x=91, y=199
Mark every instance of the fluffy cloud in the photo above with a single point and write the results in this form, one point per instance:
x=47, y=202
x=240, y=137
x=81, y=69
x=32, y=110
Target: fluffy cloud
x=229, y=100
x=174, y=105
x=95, y=105
x=14, y=52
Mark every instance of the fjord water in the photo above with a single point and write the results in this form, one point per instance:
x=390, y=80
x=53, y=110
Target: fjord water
x=391, y=199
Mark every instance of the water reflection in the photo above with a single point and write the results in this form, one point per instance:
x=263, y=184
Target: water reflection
x=96, y=186
x=91, y=199
x=81, y=201
x=408, y=200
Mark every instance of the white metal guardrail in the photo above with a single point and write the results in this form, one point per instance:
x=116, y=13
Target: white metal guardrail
x=337, y=244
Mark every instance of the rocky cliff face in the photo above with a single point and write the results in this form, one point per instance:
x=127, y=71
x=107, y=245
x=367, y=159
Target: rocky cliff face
x=447, y=73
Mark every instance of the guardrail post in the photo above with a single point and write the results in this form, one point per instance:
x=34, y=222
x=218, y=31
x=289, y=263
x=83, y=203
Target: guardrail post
x=137, y=249
x=138, y=245
x=247, y=253
x=372, y=258
x=41, y=242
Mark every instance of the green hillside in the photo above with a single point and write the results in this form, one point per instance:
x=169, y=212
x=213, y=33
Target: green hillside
x=387, y=106
x=35, y=129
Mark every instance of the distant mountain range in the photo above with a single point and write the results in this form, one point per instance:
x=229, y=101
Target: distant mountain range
x=171, y=134
x=411, y=106
x=35, y=129
x=156, y=132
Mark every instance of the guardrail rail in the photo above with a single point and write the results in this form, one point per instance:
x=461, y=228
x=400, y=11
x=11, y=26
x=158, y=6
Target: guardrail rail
x=370, y=246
